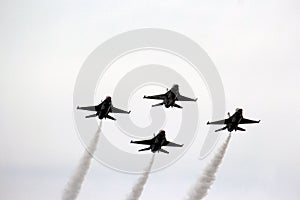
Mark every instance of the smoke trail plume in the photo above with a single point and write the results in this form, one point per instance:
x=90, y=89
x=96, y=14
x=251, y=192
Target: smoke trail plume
x=139, y=185
x=203, y=183
x=74, y=185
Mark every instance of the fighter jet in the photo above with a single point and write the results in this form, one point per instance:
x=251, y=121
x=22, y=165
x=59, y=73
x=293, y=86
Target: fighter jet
x=103, y=109
x=170, y=98
x=232, y=122
x=157, y=142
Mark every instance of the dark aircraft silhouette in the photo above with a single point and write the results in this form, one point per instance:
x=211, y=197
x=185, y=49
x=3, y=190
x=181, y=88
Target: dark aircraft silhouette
x=103, y=109
x=232, y=122
x=170, y=98
x=157, y=142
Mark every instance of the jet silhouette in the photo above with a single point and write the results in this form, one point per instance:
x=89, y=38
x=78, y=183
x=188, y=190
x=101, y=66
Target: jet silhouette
x=157, y=142
x=103, y=109
x=170, y=97
x=232, y=122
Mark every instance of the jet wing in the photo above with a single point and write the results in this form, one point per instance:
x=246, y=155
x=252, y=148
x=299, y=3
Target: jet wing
x=117, y=110
x=172, y=144
x=89, y=108
x=248, y=121
x=183, y=98
x=160, y=96
x=146, y=142
x=218, y=122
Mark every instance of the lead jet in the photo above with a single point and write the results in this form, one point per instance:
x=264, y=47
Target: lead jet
x=103, y=109
x=170, y=98
x=157, y=142
x=232, y=122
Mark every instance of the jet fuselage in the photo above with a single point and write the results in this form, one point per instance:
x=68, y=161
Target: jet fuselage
x=104, y=108
x=159, y=140
x=234, y=120
x=171, y=95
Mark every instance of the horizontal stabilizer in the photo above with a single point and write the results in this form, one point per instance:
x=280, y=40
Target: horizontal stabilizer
x=145, y=149
x=110, y=117
x=221, y=129
x=164, y=151
x=177, y=106
x=159, y=104
x=240, y=129
x=89, y=116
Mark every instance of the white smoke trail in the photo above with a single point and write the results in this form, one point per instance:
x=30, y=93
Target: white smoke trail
x=73, y=187
x=139, y=185
x=203, y=183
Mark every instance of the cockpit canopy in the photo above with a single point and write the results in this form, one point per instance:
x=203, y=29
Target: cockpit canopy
x=162, y=132
x=175, y=86
x=239, y=110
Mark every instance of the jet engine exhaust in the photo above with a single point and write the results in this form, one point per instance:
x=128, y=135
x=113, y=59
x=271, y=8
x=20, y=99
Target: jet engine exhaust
x=73, y=186
x=200, y=189
x=138, y=188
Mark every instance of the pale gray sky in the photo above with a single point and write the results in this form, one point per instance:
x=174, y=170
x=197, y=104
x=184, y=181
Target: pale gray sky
x=254, y=45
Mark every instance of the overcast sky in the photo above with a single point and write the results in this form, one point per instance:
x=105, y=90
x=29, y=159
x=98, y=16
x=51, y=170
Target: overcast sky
x=254, y=45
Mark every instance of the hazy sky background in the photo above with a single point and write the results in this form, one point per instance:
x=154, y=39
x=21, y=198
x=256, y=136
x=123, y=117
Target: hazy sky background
x=254, y=45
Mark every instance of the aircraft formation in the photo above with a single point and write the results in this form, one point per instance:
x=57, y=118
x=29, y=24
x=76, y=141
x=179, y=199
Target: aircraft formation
x=168, y=100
